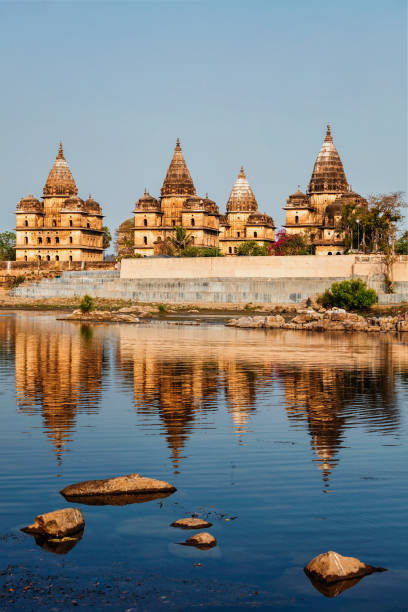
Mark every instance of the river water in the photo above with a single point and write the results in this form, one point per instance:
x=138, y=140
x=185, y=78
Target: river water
x=291, y=443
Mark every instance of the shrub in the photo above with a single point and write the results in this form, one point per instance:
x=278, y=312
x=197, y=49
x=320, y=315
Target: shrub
x=251, y=247
x=162, y=308
x=17, y=280
x=350, y=295
x=87, y=304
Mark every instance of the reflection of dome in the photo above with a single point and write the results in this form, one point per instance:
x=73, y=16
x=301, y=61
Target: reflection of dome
x=30, y=204
x=242, y=197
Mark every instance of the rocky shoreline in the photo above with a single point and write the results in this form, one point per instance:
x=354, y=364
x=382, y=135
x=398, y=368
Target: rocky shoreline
x=335, y=319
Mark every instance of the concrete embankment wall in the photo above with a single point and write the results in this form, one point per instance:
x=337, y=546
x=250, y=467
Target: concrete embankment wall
x=249, y=279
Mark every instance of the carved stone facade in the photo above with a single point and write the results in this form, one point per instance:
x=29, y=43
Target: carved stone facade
x=318, y=211
x=243, y=222
x=61, y=227
x=179, y=205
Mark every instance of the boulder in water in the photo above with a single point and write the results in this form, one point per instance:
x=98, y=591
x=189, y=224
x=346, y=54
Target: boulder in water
x=58, y=523
x=132, y=483
x=331, y=567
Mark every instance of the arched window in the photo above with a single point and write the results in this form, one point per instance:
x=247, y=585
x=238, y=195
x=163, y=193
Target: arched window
x=26, y=223
x=57, y=258
x=338, y=253
x=238, y=234
x=145, y=222
x=192, y=239
x=70, y=240
x=25, y=258
x=255, y=234
x=48, y=258
x=330, y=253
x=88, y=225
x=173, y=222
x=230, y=250
x=39, y=258
x=70, y=223
x=192, y=221
x=48, y=240
x=54, y=223
x=145, y=239
x=235, y=250
x=40, y=240
x=56, y=240
x=297, y=219
x=25, y=240
x=70, y=258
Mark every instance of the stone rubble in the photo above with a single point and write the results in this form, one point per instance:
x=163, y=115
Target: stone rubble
x=101, y=316
x=335, y=319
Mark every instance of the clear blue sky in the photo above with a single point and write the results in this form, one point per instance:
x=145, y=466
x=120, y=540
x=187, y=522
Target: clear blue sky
x=249, y=82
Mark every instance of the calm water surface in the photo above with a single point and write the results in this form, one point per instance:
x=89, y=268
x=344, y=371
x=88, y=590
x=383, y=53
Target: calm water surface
x=292, y=444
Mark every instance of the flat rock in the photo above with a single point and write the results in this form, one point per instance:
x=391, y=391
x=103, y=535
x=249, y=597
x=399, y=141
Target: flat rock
x=58, y=523
x=331, y=567
x=132, y=483
x=202, y=540
x=191, y=523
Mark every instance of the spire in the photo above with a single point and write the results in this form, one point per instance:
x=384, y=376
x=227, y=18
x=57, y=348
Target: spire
x=178, y=181
x=242, y=196
x=60, y=181
x=328, y=172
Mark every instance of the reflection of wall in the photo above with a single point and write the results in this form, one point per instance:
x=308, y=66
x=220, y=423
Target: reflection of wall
x=58, y=373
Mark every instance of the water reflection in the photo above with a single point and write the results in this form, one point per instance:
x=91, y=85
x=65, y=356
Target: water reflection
x=181, y=378
x=58, y=372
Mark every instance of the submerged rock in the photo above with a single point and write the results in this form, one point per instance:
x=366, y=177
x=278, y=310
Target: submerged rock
x=132, y=483
x=331, y=567
x=57, y=524
x=202, y=540
x=191, y=523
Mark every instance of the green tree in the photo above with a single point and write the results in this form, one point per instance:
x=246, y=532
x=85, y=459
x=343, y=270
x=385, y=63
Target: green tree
x=7, y=246
x=350, y=295
x=401, y=246
x=106, y=237
x=181, y=240
x=87, y=304
x=251, y=247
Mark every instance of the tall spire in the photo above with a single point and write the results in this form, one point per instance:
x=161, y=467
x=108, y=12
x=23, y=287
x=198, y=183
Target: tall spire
x=60, y=181
x=178, y=181
x=328, y=172
x=242, y=197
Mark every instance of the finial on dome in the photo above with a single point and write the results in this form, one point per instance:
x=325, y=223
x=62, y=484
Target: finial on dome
x=298, y=188
x=328, y=134
x=242, y=173
x=90, y=196
x=60, y=152
x=206, y=195
x=178, y=147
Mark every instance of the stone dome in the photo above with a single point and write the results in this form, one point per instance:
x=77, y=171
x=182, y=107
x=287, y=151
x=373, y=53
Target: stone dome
x=334, y=209
x=147, y=202
x=92, y=206
x=73, y=204
x=328, y=173
x=242, y=197
x=60, y=181
x=30, y=204
x=260, y=219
